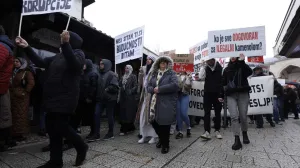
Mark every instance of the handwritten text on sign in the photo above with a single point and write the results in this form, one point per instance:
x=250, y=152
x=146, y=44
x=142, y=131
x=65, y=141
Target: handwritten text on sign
x=200, y=51
x=129, y=46
x=261, y=97
x=230, y=43
x=35, y=7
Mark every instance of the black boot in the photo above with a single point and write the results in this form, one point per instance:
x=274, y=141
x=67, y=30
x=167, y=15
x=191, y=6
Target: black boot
x=245, y=138
x=237, y=143
x=81, y=156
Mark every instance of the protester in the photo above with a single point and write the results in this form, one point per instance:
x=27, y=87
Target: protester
x=163, y=87
x=212, y=74
x=21, y=85
x=237, y=91
x=128, y=105
x=290, y=103
x=87, y=97
x=185, y=84
x=257, y=72
x=60, y=94
x=146, y=129
x=6, y=67
x=106, y=99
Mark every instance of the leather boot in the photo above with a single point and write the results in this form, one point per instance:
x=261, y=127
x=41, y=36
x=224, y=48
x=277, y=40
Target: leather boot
x=237, y=143
x=245, y=138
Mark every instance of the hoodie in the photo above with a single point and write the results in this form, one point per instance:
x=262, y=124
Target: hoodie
x=6, y=62
x=88, y=82
x=61, y=86
x=108, y=86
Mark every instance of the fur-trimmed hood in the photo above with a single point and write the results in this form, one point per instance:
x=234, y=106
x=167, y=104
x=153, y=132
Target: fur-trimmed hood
x=155, y=65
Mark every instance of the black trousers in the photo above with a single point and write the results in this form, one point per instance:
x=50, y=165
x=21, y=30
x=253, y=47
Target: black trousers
x=84, y=111
x=58, y=127
x=211, y=100
x=260, y=120
x=163, y=132
x=127, y=127
x=290, y=106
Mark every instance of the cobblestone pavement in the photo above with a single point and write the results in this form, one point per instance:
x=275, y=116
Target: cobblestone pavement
x=270, y=147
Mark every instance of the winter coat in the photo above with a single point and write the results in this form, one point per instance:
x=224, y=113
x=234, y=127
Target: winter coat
x=128, y=102
x=88, y=82
x=166, y=100
x=230, y=73
x=61, y=86
x=108, y=85
x=212, y=78
x=6, y=62
x=20, y=89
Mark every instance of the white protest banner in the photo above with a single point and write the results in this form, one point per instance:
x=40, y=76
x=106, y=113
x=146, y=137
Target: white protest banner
x=200, y=51
x=196, y=99
x=231, y=43
x=261, y=95
x=36, y=7
x=129, y=45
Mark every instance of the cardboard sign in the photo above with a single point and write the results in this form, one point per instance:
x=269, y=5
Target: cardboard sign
x=129, y=45
x=36, y=7
x=231, y=43
x=183, y=58
x=167, y=53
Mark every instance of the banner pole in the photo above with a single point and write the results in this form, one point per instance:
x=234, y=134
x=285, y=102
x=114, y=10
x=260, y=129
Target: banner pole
x=20, y=25
x=68, y=22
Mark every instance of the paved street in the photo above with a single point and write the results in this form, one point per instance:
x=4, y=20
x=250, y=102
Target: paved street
x=270, y=147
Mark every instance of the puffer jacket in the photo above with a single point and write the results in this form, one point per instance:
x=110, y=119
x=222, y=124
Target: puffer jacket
x=61, y=86
x=6, y=62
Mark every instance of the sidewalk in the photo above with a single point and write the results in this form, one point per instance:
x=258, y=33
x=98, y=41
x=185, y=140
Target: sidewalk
x=270, y=147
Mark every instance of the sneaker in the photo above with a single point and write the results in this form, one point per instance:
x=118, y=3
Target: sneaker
x=142, y=140
x=272, y=124
x=251, y=122
x=218, y=135
x=122, y=134
x=179, y=135
x=94, y=138
x=278, y=123
x=206, y=136
x=152, y=141
x=172, y=132
x=108, y=137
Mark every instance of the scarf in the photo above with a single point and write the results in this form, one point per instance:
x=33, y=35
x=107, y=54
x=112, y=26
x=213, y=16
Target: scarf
x=126, y=75
x=153, y=100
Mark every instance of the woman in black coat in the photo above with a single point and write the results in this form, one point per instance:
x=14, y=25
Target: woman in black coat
x=127, y=98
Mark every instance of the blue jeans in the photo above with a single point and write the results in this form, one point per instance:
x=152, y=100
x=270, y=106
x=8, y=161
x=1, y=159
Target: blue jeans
x=109, y=107
x=182, y=111
x=276, y=104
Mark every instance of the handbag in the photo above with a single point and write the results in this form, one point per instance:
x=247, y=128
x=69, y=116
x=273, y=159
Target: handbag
x=231, y=84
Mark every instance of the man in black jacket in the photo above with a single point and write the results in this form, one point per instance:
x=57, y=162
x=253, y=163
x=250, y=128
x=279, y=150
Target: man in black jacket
x=212, y=74
x=60, y=95
x=106, y=99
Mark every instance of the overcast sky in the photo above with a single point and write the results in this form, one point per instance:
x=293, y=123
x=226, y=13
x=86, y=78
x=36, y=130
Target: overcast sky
x=180, y=24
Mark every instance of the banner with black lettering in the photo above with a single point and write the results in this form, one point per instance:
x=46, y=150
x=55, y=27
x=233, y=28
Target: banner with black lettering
x=261, y=97
x=129, y=45
x=36, y=7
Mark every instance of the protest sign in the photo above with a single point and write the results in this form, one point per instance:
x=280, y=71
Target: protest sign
x=36, y=7
x=200, y=51
x=257, y=59
x=183, y=62
x=261, y=97
x=129, y=45
x=231, y=43
x=167, y=53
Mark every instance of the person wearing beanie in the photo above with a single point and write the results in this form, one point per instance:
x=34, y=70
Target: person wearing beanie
x=61, y=94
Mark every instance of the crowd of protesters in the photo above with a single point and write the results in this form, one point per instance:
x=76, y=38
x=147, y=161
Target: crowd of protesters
x=76, y=92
